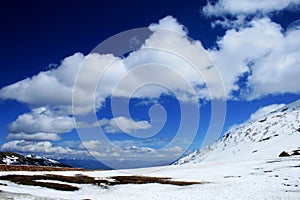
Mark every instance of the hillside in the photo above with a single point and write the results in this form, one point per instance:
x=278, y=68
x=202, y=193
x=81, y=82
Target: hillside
x=264, y=138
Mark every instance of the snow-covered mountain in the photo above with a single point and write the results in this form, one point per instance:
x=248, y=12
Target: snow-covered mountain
x=11, y=158
x=264, y=138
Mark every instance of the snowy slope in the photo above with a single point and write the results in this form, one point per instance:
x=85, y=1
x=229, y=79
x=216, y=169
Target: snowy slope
x=241, y=180
x=264, y=138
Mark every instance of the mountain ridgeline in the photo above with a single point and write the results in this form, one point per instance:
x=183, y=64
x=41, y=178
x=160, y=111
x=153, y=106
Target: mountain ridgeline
x=10, y=158
x=274, y=135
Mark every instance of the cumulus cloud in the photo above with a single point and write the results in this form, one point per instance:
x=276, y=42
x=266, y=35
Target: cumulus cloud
x=123, y=124
x=93, y=145
x=264, y=52
x=173, y=49
x=53, y=87
x=40, y=124
x=43, y=147
x=237, y=7
x=34, y=137
x=265, y=110
x=169, y=23
x=255, y=50
x=43, y=124
x=239, y=22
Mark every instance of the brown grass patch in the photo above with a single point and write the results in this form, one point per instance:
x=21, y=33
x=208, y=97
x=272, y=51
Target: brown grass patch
x=81, y=179
x=145, y=179
x=31, y=180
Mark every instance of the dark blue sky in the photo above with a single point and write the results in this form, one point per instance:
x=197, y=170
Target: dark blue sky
x=37, y=33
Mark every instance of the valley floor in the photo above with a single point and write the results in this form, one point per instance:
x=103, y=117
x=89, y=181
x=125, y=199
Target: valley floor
x=258, y=179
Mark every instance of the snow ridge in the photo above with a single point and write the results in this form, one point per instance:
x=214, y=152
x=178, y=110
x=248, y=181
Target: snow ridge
x=10, y=158
x=264, y=138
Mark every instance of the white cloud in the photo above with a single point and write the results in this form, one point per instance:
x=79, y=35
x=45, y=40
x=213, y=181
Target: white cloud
x=237, y=7
x=43, y=124
x=47, y=148
x=237, y=23
x=34, y=137
x=123, y=124
x=277, y=72
x=54, y=88
x=263, y=50
x=92, y=145
x=175, y=64
x=41, y=120
x=129, y=150
x=174, y=150
x=138, y=150
x=178, y=64
x=87, y=94
x=44, y=147
x=169, y=23
x=265, y=110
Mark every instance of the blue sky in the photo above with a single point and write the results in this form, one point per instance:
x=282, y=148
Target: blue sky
x=151, y=104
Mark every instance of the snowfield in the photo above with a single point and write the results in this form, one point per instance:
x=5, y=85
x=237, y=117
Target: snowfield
x=258, y=179
x=244, y=164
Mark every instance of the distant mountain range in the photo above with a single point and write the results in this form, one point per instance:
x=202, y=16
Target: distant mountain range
x=88, y=164
x=10, y=158
x=273, y=135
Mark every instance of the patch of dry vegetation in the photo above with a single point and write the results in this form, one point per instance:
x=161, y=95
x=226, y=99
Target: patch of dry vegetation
x=81, y=179
x=31, y=180
x=145, y=179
